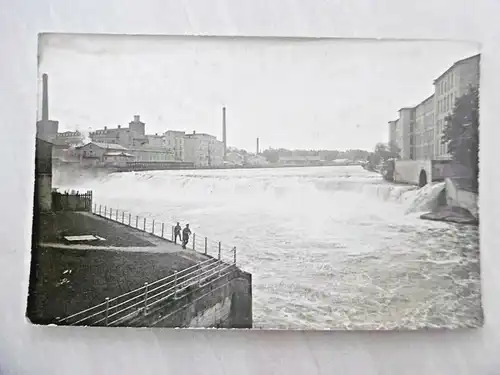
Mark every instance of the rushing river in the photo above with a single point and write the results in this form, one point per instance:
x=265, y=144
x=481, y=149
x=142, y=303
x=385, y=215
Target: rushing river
x=328, y=247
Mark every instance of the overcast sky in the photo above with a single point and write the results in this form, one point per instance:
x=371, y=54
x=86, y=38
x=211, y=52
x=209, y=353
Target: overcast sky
x=311, y=94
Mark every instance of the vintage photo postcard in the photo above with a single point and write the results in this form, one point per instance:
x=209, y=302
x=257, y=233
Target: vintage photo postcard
x=267, y=183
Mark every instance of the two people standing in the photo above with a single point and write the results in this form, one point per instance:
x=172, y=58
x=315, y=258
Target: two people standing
x=186, y=232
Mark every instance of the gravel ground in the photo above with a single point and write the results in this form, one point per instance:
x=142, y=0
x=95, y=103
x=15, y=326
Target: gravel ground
x=68, y=281
x=54, y=226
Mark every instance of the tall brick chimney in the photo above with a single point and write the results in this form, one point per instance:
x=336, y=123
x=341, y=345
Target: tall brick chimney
x=45, y=97
x=224, y=139
x=46, y=129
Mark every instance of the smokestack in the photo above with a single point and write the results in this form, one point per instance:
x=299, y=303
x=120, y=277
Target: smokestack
x=45, y=97
x=224, y=139
x=257, y=146
x=46, y=129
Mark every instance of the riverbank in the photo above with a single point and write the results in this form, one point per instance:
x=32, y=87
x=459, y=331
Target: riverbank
x=457, y=205
x=68, y=278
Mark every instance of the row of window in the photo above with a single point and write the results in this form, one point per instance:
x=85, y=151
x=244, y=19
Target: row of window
x=446, y=104
x=446, y=84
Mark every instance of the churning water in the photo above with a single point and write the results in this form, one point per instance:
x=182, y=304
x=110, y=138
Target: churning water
x=328, y=247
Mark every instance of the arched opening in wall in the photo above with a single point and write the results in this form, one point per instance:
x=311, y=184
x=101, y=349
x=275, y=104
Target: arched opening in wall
x=422, y=179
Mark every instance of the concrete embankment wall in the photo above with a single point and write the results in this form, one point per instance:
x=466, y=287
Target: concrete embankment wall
x=225, y=303
x=411, y=171
x=408, y=171
x=456, y=197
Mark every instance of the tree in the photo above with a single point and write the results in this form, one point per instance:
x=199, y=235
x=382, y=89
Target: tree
x=461, y=133
x=394, y=150
x=385, y=152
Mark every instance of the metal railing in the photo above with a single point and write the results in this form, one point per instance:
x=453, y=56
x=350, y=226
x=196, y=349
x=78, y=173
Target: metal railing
x=122, y=308
x=197, y=242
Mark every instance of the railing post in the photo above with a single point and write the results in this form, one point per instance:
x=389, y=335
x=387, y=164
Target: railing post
x=206, y=245
x=200, y=271
x=173, y=234
x=144, y=224
x=153, y=227
x=162, y=229
x=107, y=311
x=194, y=240
x=99, y=210
x=137, y=221
x=129, y=217
x=95, y=207
x=123, y=217
x=234, y=250
x=116, y=217
x=219, y=249
x=145, y=297
x=111, y=213
x=105, y=211
x=175, y=284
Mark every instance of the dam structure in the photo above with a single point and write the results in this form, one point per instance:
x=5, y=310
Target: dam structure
x=94, y=265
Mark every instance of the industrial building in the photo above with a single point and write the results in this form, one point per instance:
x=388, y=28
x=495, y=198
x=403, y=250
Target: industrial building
x=418, y=130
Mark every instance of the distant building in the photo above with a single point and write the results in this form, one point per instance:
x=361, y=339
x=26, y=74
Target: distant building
x=117, y=157
x=234, y=158
x=94, y=153
x=299, y=160
x=134, y=135
x=156, y=141
x=174, y=142
x=203, y=150
x=71, y=138
x=143, y=147
x=256, y=160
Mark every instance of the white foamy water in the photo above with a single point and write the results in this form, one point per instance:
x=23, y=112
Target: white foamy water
x=328, y=247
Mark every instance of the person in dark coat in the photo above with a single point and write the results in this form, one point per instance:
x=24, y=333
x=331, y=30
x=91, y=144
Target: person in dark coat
x=186, y=232
x=177, y=232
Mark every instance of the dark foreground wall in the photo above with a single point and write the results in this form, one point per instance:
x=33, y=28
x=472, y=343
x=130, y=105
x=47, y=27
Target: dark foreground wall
x=223, y=303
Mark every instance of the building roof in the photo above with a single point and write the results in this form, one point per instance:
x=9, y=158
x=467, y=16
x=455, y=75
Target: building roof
x=117, y=153
x=109, y=130
x=200, y=134
x=456, y=63
x=406, y=108
x=109, y=146
x=427, y=99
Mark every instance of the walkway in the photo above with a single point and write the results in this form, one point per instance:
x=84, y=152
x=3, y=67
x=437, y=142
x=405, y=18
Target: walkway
x=73, y=277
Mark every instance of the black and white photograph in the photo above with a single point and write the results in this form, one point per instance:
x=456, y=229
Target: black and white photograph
x=256, y=182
